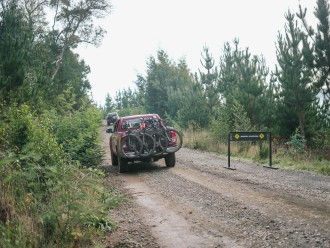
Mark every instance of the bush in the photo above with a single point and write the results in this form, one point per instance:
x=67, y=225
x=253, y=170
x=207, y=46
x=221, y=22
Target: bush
x=297, y=143
x=220, y=126
x=46, y=198
x=78, y=134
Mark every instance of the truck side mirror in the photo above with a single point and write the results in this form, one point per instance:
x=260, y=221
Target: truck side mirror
x=109, y=130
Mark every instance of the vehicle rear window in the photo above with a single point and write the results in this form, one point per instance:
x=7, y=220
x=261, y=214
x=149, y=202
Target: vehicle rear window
x=131, y=123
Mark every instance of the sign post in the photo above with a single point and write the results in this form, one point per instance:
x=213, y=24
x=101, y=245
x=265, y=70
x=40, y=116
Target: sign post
x=250, y=136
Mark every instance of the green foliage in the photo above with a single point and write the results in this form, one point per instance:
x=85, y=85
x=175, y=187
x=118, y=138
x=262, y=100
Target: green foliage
x=192, y=107
x=243, y=79
x=49, y=129
x=78, y=135
x=240, y=119
x=14, y=133
x=321, y=140
x=109, y=106
x=47, y=198
x=71, y=81
x=263, y=150
x=318, y=58
x=127, y=98
x=196, y=137
x=297, y=142
x=203, y=139
x=221, y=124
x=209, y=81
x=164, y=78
x=74, y=23
x=14, y=51
x=295, y=77
x=325, y=170
x=131, y=111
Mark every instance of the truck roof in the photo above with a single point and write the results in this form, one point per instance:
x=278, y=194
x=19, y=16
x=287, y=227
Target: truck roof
x=138, y=116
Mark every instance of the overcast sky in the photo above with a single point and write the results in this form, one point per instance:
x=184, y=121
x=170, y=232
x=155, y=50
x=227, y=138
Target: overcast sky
x=137, y=29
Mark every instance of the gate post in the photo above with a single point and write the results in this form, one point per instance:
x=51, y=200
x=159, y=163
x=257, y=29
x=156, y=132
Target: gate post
x=270, y=153
x=228, y=167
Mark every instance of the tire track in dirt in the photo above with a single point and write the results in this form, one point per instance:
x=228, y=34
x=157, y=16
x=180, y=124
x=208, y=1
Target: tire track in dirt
x=170, y=228
x=266, y=201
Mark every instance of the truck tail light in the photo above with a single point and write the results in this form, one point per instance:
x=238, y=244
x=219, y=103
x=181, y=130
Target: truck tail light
x=173, y=137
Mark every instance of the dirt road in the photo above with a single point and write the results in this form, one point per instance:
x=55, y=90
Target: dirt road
x=199, y=203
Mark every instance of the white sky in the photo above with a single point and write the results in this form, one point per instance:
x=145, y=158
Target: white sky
x=137, y=29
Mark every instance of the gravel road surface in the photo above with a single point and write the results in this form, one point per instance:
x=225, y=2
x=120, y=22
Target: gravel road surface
x=199, y=203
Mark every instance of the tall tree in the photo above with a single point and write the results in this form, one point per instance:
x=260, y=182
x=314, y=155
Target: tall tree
x=243, y=78
x=295, y=78
x=37, y=61
x=109, y=104
x=73, y=24
x=35, y=17
x=193, y=110
x=163, y=76
x=320, y=58
x=14, y=51
x=209, y=81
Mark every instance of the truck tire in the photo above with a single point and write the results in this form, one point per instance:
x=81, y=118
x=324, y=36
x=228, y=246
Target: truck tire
x=170, y=160
x=114, y=158
x=123, y=165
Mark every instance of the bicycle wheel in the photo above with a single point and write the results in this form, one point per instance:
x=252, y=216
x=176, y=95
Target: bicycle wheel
x=149, y=145
x=131, y=146
x=174, y=140
x=161, y=143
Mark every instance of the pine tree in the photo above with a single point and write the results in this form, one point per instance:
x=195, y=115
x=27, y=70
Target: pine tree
x=242, y=78
x=164, y=78
x=14, y=52
x=193, y=109
x=295, y=78
x=109, y=104
x=209, y=81
x=319, y=58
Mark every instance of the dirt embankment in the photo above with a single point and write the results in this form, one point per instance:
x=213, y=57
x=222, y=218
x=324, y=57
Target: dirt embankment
x=199, y=203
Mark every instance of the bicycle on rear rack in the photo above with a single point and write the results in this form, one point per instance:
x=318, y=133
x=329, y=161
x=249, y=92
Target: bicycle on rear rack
x=173, y=137
x=148, y=142
x=131, y=145
x=167, y=139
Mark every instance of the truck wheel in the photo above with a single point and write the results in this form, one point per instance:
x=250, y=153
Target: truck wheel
x=114, y=159
x=123, y=165
x=170, y=160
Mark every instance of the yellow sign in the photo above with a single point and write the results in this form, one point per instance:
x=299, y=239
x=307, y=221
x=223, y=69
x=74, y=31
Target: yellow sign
x=248, y=136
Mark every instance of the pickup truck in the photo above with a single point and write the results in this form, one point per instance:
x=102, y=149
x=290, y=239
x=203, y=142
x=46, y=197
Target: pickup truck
x=119, y=131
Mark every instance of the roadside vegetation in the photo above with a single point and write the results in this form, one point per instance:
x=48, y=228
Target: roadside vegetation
x=291, y=155
x=51, y=192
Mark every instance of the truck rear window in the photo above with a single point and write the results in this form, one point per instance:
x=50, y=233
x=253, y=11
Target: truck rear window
x=131, y=123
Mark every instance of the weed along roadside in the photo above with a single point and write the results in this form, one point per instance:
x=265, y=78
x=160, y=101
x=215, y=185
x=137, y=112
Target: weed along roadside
x=291, y=155
x=251, y=136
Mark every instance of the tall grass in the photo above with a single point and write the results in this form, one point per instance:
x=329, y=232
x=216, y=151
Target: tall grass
x=284, y=156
